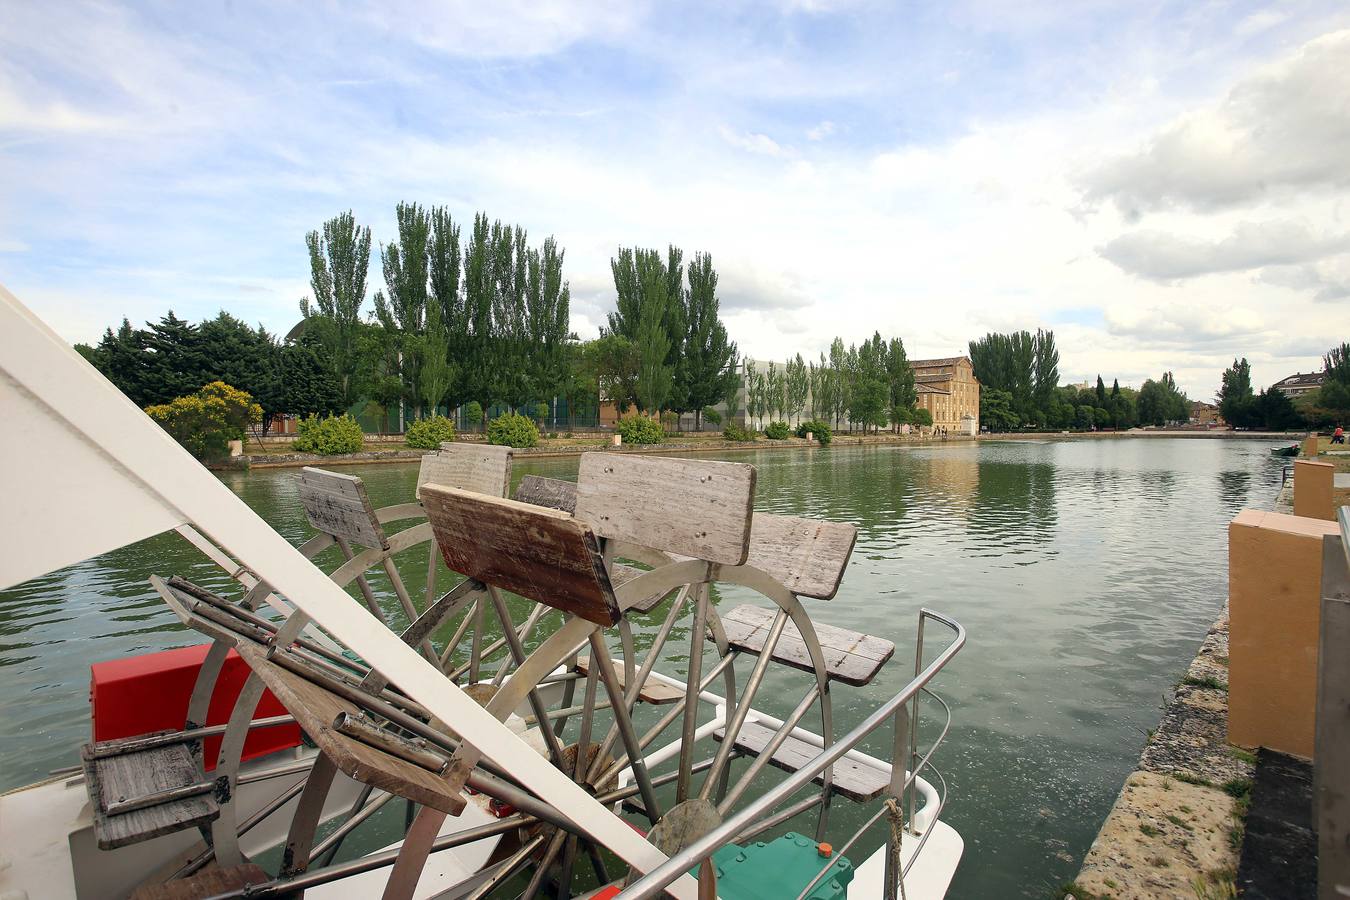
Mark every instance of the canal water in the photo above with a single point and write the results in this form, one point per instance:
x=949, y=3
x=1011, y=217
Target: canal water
x=1086, y=572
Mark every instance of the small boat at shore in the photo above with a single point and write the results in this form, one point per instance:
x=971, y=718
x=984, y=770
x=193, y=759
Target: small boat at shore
x=509, y=755
x=1291, y=450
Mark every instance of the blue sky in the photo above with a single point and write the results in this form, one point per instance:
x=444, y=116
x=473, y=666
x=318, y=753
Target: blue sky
x=1162, y=183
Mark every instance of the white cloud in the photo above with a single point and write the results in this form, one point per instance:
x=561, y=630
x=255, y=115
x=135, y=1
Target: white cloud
x=505, y=28
x=1326, y=281
x=1179, y=323
x=1164, y=256
x=820, y=131
x=1281, y=131
x=751, y=142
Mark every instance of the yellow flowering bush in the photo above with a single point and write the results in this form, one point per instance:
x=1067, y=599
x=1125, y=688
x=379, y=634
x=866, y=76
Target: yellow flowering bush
x=205, y=422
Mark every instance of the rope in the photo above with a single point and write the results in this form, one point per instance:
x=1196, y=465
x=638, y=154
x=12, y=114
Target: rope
x=897, y=821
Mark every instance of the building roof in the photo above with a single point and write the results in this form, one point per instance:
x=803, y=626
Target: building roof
x=934, y=377
x=937, y=363
x=922, y=388
x=1298, y=379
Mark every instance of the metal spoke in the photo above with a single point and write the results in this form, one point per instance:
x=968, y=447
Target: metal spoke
x=635, y=685
x=764, y=755
x=518, y=653
x=601, y=660
x=733, y=726
x=691, y=691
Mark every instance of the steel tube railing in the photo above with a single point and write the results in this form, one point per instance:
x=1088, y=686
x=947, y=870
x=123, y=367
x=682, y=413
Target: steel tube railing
x=655, y=881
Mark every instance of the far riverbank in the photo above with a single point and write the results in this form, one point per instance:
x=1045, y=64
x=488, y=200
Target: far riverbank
x=566, y=447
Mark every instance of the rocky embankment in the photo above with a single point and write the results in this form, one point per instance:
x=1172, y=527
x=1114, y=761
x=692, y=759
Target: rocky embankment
x=1176, y=828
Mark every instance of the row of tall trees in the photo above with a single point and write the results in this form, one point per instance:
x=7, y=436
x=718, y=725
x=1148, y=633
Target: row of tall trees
x=869, y=385
x=173, y=358
x=480, y=317
x=1024, y=367
x=664, y=348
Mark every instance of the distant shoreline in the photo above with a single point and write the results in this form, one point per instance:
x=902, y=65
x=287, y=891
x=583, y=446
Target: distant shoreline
x=1151, y=433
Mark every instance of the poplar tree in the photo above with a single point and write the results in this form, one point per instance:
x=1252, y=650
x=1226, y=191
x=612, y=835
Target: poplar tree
x=901, y=376
x=479, y=292
x=339, y=259
x=654, y=374
x=643, y=279
x=402, y=311
x=709, y=362
x=446, y=315
x=797, y=386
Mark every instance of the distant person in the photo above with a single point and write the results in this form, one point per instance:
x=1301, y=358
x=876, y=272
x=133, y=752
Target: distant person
x=1338, y=436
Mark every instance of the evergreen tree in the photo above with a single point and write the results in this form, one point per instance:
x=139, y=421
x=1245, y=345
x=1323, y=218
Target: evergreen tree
x=1101, y=391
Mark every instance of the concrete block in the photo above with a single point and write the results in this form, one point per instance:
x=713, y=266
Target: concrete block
x=1313, y=485
x=1274, y=605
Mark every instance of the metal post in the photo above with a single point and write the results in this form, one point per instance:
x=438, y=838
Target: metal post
x=1331, y=770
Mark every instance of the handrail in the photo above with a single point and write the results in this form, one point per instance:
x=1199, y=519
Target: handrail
x=651, y=884
x=1343, y=519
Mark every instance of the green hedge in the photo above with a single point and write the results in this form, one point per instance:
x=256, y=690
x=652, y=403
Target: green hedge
x=640, y=430
x=328, y=436
x=512, y=430
x=429, y=433
x=734, y=432
x=819, y=430
x=778, y=431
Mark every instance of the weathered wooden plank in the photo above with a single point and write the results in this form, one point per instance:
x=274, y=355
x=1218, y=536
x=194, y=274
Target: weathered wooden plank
x=850, y=656
x=653, y=691
x=337, y=504
x=695, y=508
x=551, y=492
x=209, y=882
x=315, y=709
x=852, y=779
x=808, y=556
x=481, y=468
x=622, y=574
x=539, y=553
x=132, y=775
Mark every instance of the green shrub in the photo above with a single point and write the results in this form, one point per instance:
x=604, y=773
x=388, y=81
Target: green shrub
x=473, y=414
x=922, y=417
x=429, y=433
x=205, y=422
x=734, y=432
x=329, y=435
x=540, y=412
x=512, y=430
x=712, y=415
x=819, y=430
x=640, y=430
x=777, y=431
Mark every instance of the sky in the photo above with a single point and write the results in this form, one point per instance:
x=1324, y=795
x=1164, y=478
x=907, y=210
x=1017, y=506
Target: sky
x=1163, y=184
